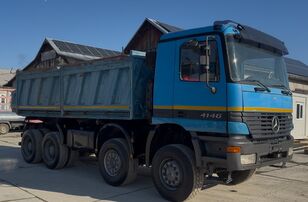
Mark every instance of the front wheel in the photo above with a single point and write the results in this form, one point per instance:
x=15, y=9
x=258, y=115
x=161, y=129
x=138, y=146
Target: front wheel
x=175, y=174
x=237, y=177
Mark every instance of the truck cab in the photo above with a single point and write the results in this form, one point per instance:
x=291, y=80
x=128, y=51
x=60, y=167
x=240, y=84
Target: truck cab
x=227, y=85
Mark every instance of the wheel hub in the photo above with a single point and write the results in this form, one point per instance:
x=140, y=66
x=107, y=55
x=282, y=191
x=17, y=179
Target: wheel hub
x=112, y=162
x=51, y=150
x=170, y=173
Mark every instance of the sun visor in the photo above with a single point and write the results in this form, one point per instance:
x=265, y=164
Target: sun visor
x=252, y=35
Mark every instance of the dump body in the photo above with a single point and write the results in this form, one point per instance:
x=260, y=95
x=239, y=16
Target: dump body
x=112, y=88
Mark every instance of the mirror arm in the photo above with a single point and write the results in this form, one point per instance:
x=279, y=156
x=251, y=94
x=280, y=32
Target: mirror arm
x=207, y=66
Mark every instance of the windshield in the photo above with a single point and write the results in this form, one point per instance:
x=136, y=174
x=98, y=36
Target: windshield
x=249, y=63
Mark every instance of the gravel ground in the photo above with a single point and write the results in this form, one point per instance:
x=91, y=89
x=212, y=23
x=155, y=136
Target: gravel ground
x=20, y=181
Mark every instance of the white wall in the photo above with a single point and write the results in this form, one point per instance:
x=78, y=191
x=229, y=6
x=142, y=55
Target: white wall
x=300, y=122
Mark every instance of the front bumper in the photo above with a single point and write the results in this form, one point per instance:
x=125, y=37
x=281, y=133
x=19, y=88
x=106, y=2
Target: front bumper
x=268, y=152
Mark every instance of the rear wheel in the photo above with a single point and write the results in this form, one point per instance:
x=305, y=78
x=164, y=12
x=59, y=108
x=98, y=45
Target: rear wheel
x=72, y=157
x=238, y=177
x=55, y=154
x=31, y=146
x=4, y=128
x=175, y=174
x=115, y=162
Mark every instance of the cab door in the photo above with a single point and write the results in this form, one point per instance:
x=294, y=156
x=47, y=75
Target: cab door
x=195, y=106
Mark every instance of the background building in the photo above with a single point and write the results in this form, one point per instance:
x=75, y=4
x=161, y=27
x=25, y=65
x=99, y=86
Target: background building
x=148, y=34
x=54, y=53
x=5, y=92
x=298, y=81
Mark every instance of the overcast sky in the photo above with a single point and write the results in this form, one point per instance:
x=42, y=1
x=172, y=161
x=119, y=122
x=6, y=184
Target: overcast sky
x=111, y=24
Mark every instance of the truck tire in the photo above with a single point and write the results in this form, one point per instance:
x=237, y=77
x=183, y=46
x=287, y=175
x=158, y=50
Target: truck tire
x=115, y=163
x=4, y=128
x=55, y=154
x=72, y=157
x=238, y=177
x=31, y=146
x=175, y=174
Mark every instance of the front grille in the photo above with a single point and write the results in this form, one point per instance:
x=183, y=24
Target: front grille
x=260, y=124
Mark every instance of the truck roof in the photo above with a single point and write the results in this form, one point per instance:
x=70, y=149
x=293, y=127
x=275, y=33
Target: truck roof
x=185, y=33
x=229, y=27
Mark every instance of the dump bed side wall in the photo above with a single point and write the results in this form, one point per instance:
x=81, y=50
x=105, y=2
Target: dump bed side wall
x=102, y=90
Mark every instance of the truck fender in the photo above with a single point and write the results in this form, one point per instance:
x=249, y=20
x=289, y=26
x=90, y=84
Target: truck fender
x=194, y=139
x=196, y=145
x=148, y=146
x=123, y=131
x=61, y=135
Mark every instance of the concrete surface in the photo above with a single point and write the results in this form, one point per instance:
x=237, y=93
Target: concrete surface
x=20, y=181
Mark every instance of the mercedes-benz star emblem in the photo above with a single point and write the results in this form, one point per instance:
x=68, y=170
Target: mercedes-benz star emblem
x=275, y=124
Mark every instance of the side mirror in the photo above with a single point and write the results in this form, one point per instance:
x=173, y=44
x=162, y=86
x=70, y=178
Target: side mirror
x=205, y=51
x=192, y=43
x=205, y=62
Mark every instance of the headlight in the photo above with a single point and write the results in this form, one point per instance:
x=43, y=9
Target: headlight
x=248, y=159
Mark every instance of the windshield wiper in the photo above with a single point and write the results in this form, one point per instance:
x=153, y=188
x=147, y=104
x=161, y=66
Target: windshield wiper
x=264, y=87
x=286, y=90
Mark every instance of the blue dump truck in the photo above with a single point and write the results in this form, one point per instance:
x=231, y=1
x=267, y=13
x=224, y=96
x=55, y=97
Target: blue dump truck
x=216, y=105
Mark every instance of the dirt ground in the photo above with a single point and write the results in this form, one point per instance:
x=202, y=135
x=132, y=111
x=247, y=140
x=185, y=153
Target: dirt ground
x=20, y=181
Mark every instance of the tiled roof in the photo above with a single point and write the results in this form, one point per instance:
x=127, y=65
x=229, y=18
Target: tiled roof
x=296, y=67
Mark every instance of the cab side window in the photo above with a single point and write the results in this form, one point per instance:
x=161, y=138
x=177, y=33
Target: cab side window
x=190, y=68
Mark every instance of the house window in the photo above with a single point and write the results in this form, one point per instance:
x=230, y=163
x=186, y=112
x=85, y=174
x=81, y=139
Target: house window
x=2, y=100
x=299, y=111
